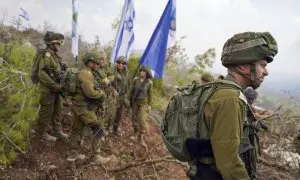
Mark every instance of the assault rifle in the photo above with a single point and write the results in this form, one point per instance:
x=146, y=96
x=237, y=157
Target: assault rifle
x=56, y=77
x=97, y=102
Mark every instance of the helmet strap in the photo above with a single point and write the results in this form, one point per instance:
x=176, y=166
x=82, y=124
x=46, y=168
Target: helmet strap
x=252, y=78
x=252, y=72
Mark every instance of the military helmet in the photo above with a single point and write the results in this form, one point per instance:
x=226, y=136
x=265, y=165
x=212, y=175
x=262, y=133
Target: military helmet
x=147, y=70
x=102, y=55
x=207, y=77
x=121, y=59
x=249, y=47
x=250, y=94
x=90, y=57
x=52, y=37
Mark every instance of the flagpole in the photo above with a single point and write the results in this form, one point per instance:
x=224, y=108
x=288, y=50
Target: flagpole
x=136, y=71
x=76, y=61
x=112, y=58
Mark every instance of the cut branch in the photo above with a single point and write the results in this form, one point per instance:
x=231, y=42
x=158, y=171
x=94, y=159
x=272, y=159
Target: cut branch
x=133, y=164
x=11, y=142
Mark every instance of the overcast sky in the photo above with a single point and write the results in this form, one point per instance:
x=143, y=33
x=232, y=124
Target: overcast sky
x=206, y=23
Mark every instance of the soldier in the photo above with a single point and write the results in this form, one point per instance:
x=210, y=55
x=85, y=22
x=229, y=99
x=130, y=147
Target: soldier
x=251, y=96
x=105, y=76
x=140, y=97
x=246, y=56
x=121, y=85
x=50, y=114
x=84, y=105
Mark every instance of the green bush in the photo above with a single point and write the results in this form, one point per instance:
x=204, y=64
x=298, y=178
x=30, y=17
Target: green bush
x=18, y=99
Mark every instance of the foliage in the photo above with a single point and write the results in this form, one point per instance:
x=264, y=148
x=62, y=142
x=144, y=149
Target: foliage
x=18, y=98
x=203, y=61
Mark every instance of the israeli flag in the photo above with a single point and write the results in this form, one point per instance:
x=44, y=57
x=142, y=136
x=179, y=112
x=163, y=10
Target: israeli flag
x=24, y=14
x=75, y=5
x=125, y=34
x=23, y=19
x=162, y=38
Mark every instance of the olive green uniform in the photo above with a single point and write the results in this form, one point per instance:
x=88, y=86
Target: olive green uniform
x=226, y=111
x=83, y=107
x=140, y=98
x=108, y=110
x=121, y=85
x=50, y=113
x=225, y=114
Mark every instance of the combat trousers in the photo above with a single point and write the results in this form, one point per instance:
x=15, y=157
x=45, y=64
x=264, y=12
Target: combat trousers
x=50, y=113
x=110, y=107
x=85, y=118
x=120, y=110
x=139, y=117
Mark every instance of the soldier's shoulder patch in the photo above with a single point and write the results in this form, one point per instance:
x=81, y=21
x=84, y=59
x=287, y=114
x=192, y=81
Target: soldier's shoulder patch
x=242, y=97
x=47, y=54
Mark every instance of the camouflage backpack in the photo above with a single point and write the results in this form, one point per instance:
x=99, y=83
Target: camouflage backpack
x=35, y=66
x=184, y=123
x=70, y=80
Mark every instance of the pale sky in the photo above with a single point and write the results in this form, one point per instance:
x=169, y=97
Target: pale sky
x=206, y=23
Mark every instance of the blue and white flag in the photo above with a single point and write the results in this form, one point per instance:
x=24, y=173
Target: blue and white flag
x=23, y=18
x=162, y=37
x=75, y=4
x=125, y=34
x=24, y=14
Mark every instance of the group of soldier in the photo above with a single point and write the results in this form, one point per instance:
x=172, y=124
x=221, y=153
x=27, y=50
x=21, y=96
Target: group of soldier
x=245, y=55
x=102, y=94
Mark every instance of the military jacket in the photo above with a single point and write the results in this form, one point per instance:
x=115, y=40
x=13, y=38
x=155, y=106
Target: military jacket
x=225, y=114
x=141, y=92
x=86, y=90
x=52, y=60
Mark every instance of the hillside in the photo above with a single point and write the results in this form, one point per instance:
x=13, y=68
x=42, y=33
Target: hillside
x=23, y=155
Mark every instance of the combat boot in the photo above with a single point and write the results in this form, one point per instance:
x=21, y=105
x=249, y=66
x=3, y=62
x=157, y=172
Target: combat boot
x=98, y=159
x=48, y=137
x=74, y=156
x=116, y=131
x=61, y=134
x=110, y=129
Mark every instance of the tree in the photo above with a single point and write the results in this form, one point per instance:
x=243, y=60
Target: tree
x=18, y=99
x=203, y=61
x=3, y=17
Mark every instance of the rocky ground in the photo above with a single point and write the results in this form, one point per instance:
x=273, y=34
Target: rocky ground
x=129, y=160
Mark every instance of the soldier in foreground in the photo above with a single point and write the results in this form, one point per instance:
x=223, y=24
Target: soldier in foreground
x=121, y=85
x=85, y=103
x=140, y=97
x=246, y=56
x=207, y=125
x=50, y=114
